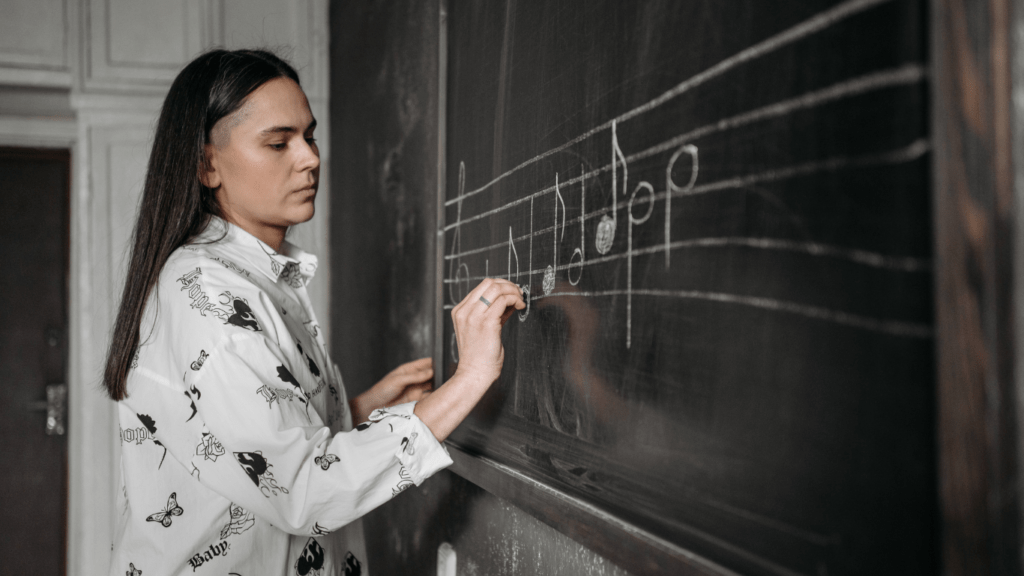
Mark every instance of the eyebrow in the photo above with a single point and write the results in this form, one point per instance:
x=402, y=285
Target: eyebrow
x=287, y=129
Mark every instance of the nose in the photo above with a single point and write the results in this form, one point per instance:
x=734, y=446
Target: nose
x=309, y=158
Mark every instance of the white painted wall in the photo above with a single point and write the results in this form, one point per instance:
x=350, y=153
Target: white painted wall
x=116, y=59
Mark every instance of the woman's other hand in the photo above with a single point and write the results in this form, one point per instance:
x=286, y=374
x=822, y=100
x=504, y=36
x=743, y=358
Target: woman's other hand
x=409, y=382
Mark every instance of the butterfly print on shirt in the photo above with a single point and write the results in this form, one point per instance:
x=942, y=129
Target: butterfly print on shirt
x=132, y=570
x=164, y=516
x=319, y=530
x=241, y=520
x=150, y=425
x=352, y=565
x=311, y=559
x=326, y=460
x=258, y=470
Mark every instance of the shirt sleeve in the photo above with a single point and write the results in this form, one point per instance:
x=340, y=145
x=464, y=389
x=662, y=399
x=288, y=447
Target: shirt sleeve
x=265, y=448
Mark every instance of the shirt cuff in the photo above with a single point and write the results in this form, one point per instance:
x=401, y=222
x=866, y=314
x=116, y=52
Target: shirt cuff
x=420, y=453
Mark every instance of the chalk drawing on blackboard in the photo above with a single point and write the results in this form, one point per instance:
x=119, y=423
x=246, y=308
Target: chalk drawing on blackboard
x=808, y=27
x=908, y=153
x=606, y=228
x=629, y=251
x=512, y=252
x=905, y=75
x=672, y=189
x=583, y=232
x=456, y=237
x=526, y=298
x=548, y=284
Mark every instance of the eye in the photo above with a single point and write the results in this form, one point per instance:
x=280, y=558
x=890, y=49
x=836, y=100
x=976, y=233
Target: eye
x=279, y=145
x=310, y=140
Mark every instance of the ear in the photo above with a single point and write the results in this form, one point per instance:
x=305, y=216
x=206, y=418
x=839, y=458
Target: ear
x=208, y=173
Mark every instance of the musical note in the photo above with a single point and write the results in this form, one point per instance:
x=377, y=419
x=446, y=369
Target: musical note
x=606, y=227
x=629, y=251
x=583, y=213
x=672, y=189
x=549, y=273
x=512, y=251
x=526, y=289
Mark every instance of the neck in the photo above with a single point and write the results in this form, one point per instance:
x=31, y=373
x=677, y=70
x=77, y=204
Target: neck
x=270, y=235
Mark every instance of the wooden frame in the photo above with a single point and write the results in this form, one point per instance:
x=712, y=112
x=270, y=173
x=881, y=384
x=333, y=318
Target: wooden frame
x=976, y=344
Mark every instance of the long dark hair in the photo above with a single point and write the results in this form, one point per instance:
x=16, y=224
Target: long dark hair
x=175, y=205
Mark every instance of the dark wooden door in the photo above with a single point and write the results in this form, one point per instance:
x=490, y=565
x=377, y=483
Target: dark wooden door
x=34, y=234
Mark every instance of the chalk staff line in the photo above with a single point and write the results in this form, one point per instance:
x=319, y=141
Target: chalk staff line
x=891, y=327
x=885, y=79
x=905, y=263
x=806, y=28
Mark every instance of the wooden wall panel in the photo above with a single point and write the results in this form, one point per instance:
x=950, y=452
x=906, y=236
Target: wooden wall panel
x=34, y=42
x=139, y=45
x=974, y=227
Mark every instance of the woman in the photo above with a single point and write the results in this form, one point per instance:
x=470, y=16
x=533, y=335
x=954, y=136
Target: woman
x=238, y=452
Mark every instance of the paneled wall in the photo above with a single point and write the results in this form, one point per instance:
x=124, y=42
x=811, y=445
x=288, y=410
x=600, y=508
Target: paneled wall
x=90, y=75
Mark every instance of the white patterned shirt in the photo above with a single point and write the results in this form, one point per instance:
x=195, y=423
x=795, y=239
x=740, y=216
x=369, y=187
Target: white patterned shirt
x=237, y=449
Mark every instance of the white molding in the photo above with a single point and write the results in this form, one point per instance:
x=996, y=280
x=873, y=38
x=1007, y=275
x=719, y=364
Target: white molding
x=34, y=77
x=33, y=132
x=102, y=72
x=102, y=217
x=130, y=103
x=46, y=61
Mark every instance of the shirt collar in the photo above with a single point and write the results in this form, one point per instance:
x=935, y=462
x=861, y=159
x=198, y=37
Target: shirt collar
x=296, y=266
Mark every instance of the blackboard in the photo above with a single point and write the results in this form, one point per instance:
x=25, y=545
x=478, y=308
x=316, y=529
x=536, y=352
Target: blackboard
x=720, y=211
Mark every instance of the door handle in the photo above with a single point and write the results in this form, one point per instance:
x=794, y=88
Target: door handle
x=55, y=407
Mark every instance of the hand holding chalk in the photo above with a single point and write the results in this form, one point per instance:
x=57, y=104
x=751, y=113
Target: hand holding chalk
x=478, y=327
x=478, y=320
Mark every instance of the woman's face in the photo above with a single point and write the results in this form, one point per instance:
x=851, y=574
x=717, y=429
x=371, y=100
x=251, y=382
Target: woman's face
x=264, y=163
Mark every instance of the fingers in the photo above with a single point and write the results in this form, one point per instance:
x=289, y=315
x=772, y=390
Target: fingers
x=417, y=365
x=487, y=288
x=415, y=372
x=505, y=305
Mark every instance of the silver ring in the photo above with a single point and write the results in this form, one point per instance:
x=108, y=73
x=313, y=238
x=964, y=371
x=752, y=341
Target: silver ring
x=485, y=301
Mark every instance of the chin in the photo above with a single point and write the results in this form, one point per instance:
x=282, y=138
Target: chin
x=303, y=213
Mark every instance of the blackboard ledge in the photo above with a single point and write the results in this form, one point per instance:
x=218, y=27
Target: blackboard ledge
x=624, y=544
